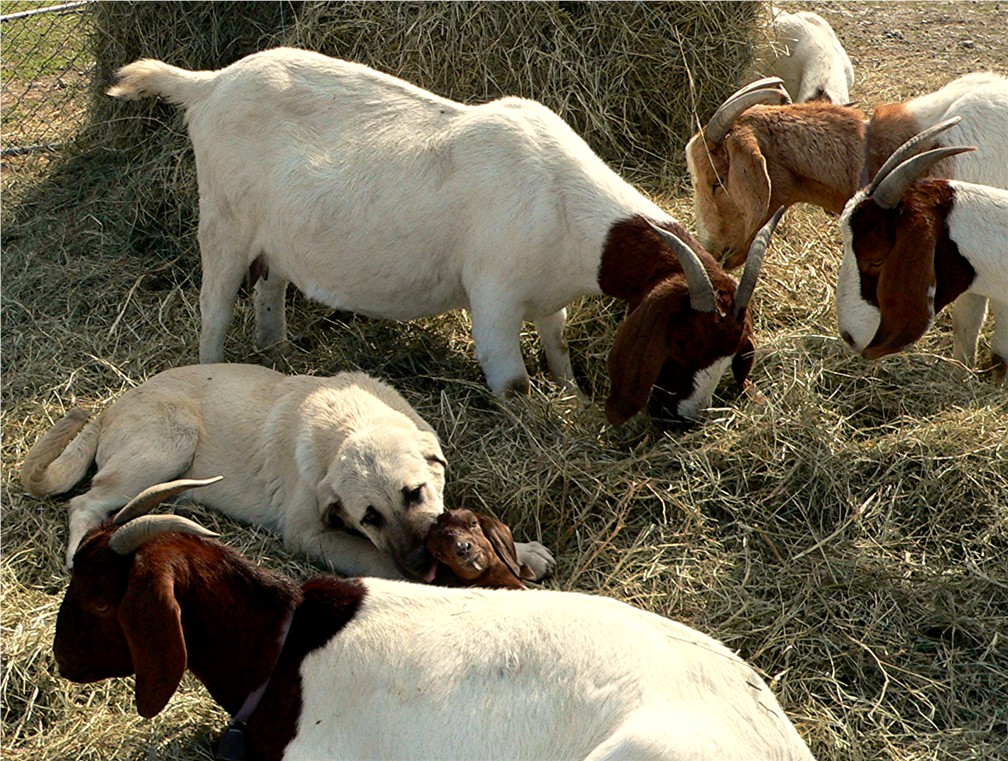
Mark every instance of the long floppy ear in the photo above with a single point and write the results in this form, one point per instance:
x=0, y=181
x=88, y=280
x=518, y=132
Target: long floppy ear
x=903, y=287
x=638, y=353
x=748, y=181
x=742, y=362
x=152, y=622
x=430, y=447
x=502, y=542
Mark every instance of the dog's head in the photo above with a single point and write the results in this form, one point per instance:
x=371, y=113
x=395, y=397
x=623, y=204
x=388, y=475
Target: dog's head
x=386, y=483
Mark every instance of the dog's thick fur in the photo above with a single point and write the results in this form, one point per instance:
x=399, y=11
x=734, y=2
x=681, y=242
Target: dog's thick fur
x=299, y=454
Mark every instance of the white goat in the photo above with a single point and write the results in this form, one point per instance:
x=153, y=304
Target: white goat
x=808, y=56
x=376, y=669
x=372, y=195
x=912, y=246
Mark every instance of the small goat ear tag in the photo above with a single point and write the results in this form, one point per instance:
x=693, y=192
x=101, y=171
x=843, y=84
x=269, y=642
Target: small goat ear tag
x=232, y=745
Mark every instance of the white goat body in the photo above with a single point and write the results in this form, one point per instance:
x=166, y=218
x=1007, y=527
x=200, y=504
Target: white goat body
x=809, y=57
x=375, y=196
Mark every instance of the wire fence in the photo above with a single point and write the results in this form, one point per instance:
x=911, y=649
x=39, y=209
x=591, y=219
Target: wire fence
x=46, y=67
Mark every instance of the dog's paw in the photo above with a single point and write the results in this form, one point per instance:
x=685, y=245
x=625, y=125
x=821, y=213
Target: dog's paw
x=536, y=557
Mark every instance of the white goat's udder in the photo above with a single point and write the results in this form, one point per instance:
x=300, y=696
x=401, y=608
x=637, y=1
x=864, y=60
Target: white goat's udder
x=704, y=383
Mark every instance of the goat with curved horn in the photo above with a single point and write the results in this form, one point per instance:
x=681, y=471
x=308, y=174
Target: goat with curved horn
x=701, y=291
x=153, y=496
x=768, y=91
x=139, y=530
x=890, y=190
x=754, y=260
x=910, y=148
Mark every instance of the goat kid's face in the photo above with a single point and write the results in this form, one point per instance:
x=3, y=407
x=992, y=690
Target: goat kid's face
x=457, y=540
x=674, y=356
x=731, y=193
x=387, y=484
x=885, y=294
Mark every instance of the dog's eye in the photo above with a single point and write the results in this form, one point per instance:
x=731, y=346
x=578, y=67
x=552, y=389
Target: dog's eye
x=474, y=525
x=101, y=608
x=372, y=518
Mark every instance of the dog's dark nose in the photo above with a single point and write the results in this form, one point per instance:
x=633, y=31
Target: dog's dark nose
x=462, y=548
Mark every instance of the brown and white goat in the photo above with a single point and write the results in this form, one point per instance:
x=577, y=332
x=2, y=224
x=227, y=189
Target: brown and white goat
x=372, y=195
x=758, y=152
x=372, y=668
x=912, y=246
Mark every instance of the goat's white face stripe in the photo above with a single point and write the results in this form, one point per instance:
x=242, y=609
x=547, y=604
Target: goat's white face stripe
x=704, y=383
x=855, y=316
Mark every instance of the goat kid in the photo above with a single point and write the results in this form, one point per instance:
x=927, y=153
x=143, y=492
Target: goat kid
x=342, y=467
x=375, y=196
x=369, y=668
x=912, y=246
x=476, y=550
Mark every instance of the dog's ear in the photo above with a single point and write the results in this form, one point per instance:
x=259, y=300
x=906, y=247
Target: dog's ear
x=502, y=541
x=431, y=448
x=152, y=622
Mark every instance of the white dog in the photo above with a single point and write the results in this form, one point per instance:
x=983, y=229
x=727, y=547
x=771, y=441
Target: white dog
x=341, y=467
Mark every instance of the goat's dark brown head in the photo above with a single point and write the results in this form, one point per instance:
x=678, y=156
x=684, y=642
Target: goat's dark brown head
x=684, y=330
x=117, y=617
x=478, y=549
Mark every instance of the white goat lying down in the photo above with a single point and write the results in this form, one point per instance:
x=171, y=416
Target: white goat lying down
x=372, y=195
x=912, y=246
x=312, y=458
x=375, y=669
x=809, y=57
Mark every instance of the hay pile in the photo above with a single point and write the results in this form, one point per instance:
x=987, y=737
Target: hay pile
x=849, y=537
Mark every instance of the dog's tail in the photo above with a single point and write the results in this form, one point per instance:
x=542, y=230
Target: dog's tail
x=61, y=458
x=147, y=77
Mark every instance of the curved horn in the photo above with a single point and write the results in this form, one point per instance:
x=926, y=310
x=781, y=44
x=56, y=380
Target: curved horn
x=747, y=97
x=128, y=538
x=701, y=292
x=153, y=496
x=894, y=185
x=754, y=259
x=908, y=149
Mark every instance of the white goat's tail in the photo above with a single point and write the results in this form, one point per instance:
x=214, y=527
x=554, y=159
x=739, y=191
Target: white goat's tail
x=61, y=458
x=147, y=77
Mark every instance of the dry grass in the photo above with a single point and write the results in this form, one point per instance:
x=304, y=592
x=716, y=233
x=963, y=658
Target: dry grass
x=849, y=537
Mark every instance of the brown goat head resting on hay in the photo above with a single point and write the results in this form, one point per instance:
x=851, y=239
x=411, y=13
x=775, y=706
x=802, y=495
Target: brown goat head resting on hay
x=478, y=550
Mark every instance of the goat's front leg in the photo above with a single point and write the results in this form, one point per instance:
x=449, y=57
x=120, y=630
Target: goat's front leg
x=968, y=313
x=496, y=327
